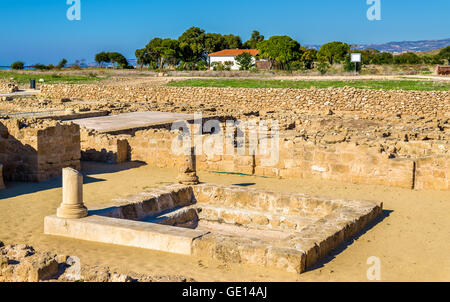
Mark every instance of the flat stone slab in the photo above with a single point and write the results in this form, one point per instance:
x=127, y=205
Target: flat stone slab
x=125, y=232
x=59, y=115
x=21, y=93
x=132, y=120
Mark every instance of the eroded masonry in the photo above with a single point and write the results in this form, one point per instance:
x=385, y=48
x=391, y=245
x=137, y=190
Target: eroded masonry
x=393, y=138
x=390, y=138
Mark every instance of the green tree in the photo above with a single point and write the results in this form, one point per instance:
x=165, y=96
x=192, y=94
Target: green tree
x=308, y=58
x=61, y=64
x=19, y=65
x=334, y=52
x=142, y=57
x=194, y=38
x=118, y=59
x=215, y=42
x=232, y=41
x=445, y=54
x=101, y=58
x=281, y=49
x=254, y=40
x=244, y=60
x=163, y=51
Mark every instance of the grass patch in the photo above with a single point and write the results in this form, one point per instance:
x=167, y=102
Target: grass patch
x=361, y=84
x=49, y=78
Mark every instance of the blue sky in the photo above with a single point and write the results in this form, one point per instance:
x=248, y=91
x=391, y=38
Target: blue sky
x=37, y=31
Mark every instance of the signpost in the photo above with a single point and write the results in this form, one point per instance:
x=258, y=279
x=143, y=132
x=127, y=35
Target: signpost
x=356, y=58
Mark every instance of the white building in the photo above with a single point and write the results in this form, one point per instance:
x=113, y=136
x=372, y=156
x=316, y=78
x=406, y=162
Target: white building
x=229, y=55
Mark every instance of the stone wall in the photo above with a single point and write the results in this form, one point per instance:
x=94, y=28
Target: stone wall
x=433, y=173
x=339, y=161
x=36, y=151
x=8, y=87
x=389, y=102
x=103, y=147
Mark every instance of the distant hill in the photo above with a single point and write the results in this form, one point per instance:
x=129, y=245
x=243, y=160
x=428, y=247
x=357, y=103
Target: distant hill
x=411, y=46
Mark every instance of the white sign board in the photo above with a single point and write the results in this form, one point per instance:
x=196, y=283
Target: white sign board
x=356, y=58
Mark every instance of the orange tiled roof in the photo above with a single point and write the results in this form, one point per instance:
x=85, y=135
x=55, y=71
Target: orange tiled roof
x=233, y=52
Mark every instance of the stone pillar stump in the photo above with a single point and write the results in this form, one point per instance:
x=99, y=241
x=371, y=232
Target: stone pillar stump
x=72, y=206
x=187, y=173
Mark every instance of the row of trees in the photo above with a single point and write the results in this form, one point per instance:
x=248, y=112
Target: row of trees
x=190, y=51
x=19, y=65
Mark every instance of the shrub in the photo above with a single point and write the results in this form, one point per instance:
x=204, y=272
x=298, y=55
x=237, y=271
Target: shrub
x=216, y=66
x=298, y=66
x=407, y=58
x=432, y=60
x=323, y=67
x=18, y=65
x=201, y=65
x=245, y=61
x=383, y=58
x=61, y=64
x=41, y=66
x=445, y=54
x=227, y=65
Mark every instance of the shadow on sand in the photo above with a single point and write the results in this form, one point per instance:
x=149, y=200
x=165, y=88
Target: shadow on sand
x=343, y=246
x=14, y=189
x=93, y=168
x=246, y=184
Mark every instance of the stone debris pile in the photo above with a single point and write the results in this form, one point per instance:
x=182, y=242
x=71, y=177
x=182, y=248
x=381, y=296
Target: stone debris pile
x=21, y=263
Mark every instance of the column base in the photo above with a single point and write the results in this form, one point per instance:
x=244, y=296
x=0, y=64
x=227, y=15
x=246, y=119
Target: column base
x=72, y=211
x=188, y=178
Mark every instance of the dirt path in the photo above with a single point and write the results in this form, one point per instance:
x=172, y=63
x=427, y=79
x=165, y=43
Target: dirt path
x=411, y=240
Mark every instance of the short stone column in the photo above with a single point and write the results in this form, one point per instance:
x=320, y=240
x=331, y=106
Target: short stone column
x=187, y=173
x=2, y=184
x=72, y=206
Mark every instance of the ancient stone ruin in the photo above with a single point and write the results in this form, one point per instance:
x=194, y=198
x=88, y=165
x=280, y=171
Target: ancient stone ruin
x=281, y=230
x=37, y=150
x=390, y=138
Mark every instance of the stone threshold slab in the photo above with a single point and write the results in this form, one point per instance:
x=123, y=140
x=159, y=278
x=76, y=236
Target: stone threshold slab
x=131, y=120
x=125, y=232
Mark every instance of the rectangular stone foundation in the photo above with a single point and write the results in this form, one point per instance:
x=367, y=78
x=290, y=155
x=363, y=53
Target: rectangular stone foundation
x=287, y=231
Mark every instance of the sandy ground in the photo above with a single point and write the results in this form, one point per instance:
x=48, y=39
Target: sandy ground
x=411, y=239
